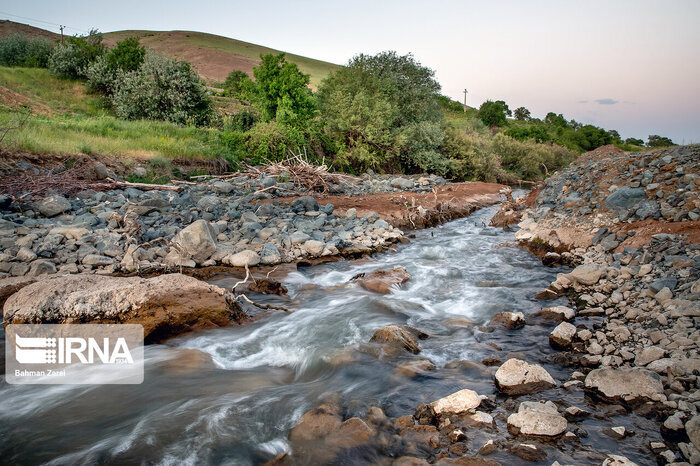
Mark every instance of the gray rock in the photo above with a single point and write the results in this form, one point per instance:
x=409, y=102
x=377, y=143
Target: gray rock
x=661, y=283
x=52, y=206
x=270, y=254
x=98, y=260
x=25, y=255
x=625, y=199
x=222, y=187
x=692, y=428
x=41, y=267
x=649, y=354
x=242, y=259
x=198, y=240
x=313, y=247
x=401, y=183
x=627, y=385
x=208, y=203
x=139, y=171
x=587, y=274
x=305, y=204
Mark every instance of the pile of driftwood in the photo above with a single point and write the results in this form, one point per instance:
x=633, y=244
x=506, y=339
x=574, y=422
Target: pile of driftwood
x=297, y=169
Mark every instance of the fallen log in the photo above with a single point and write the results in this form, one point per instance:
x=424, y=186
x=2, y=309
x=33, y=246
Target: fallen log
x=144, y=186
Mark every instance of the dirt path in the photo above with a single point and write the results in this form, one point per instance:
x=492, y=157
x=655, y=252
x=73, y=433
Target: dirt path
x=409, y=210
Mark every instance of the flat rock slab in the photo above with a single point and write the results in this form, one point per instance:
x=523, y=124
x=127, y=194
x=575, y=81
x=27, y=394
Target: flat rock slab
x=381, y=281
x=516, y=377
x=633, y=385
x=539, y=419
x=165, y=305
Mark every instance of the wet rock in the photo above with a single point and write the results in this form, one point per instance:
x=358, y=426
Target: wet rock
x=632, y=386
x=52, y=205
x=409, y=461
x=351, y=433
x=618, y=433
x=424, y=437
x=316, y=424
x=415, y=368
x=165, y=305
x=510, y=320
x=562, y=336
x=517, y=377
x=540, y=419
x=487, y=448
x=398, y=336
x=555, y=314
x=528, y=452
x=381, y=281
x=457, y=403
x=198, y=240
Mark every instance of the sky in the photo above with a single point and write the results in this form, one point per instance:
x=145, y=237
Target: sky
x=629, y=65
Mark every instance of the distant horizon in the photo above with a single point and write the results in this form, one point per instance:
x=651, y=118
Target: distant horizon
x=629, y=66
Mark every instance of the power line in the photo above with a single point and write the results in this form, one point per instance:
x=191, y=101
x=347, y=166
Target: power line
x=42, y=21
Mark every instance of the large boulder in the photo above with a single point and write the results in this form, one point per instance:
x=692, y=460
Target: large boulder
x=245, y=258
x=533, y=418
x=692, y=428
x=381, y=281
x=165, y=305
x=198, y=240
x=587, y=274
x=555, y=314
x=399, y=336
x=52, y=205
x=625, y=199
x=305, y=204
x=516, y=377
x=11, y=285
x=459, y=402
x=627, y=385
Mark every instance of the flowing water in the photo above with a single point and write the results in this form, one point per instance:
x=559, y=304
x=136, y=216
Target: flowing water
x=236, y=402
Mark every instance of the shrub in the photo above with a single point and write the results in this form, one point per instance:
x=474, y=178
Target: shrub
x=634, y=142
x=528, y=159
x=659, y=141
x=494, y=113
x=163, y=89
x=280, y=92
x=101, y=77
x=273, y=141
x=523, y=132
x=384, y=113
x=236, y=83
x=19, y=50
x=72, y=58
x=128, y=55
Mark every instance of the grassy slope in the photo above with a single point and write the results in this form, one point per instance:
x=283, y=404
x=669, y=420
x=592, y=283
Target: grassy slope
x=68, y=120
x=215, y=56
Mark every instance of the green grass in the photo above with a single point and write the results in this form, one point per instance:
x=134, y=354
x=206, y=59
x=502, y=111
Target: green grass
x=108, y=135
x=46, y=93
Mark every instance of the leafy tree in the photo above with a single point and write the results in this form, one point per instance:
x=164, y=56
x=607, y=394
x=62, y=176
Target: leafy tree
x=163, y=89
x=522, y=114
x=281, y=92
x=634, y=142
x=20, y=50
x=556, y=120
x=72, y=58
x=127, y=55
x=383, y=111
x=614, y=135
x=659, y=141
x=494, y=113
x=236, y=83
x=521, y=133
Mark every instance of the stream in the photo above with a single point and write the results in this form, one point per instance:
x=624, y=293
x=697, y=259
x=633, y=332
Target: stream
x=231, y=395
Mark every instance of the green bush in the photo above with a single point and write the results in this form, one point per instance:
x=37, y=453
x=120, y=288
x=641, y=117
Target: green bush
x=634, y=142
x=269, y=141
x=528, y=159
x=19, y=50
x=280, y=92
x=522, y=114
x=72, y=58
x=101, y=77
x=236, y=83
x=128, y=55
x=523, y=132
x=241, y=121
x=659, y=141
x=494, y=113
x=383, y=112
x=163, y=89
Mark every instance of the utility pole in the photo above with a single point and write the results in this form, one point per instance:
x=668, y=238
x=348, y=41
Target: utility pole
x=61, y=26
x=465, y=101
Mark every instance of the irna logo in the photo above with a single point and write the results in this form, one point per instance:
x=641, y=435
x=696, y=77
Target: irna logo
x=38, y=350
